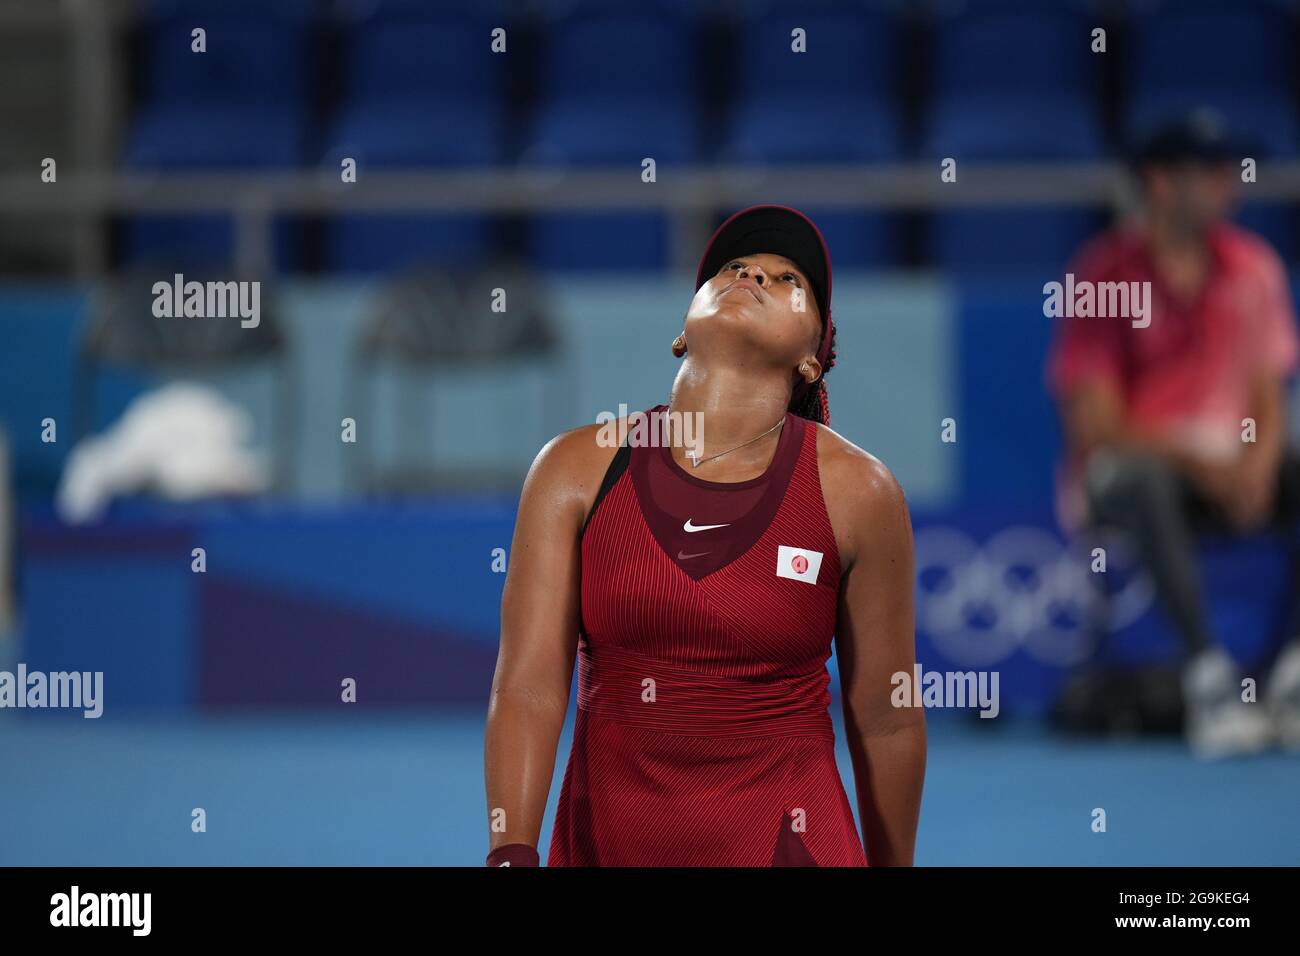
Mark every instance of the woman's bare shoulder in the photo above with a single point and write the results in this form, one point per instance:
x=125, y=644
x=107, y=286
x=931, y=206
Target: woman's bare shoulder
x=570, y=467
x=851, y=470
x=863, y=498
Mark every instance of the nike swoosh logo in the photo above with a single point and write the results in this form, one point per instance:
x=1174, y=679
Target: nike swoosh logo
x=702, y=527
x=683, y=557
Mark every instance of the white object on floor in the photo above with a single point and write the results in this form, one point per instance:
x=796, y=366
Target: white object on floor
x=1218, y=723
x=1282, y=696
x=184, y=441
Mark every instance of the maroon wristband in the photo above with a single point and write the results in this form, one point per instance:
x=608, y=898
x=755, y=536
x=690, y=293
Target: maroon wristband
x=514, y=854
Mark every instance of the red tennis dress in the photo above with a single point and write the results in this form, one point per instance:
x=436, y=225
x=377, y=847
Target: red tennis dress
x=702, y=735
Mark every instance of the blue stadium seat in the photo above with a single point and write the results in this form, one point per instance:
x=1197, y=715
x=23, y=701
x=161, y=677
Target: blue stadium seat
x=851, y=51
x=371, y=243
x=834, y=129
x=242, y=104
x=1011, y=83
x=1239, y=58
x=421, y=88
x=1018, y=49
x=858, y=240
x=187, y=243
x=256, y=49
x=835, y=102
x=1014, y=127
x=607, y=53
x=618, y=85
x=1225, y=45
x=599, y=241
x=1028, y=239
x=849, y=131
x=431, y=59
x=1276, y=222
x=578, y=133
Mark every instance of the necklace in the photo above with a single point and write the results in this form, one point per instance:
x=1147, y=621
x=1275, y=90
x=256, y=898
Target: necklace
x=696, y=460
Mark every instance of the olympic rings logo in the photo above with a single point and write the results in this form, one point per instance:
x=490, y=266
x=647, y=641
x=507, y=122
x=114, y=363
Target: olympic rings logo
x=1024, y=588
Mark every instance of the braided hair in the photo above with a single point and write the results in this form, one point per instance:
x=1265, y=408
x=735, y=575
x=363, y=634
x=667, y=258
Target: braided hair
x=813, y=405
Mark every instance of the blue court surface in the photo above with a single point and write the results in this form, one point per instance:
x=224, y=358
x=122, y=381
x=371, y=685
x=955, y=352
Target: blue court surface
x=407, y=789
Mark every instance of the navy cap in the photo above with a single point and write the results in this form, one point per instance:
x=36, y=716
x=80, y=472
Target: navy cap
x=1199, y=136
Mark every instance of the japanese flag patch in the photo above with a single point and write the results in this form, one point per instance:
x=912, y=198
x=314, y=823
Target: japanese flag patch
x=798, y=564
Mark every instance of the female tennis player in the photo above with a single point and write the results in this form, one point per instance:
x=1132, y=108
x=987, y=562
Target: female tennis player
x=699, y=590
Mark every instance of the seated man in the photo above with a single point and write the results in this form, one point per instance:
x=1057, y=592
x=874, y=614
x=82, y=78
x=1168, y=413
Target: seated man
x=1175, y=419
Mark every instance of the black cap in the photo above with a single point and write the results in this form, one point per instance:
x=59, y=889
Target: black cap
x=1201, y=135
x=782, y=231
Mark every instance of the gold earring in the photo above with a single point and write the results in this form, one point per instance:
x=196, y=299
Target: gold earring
x=679, y=345
x=804, y=368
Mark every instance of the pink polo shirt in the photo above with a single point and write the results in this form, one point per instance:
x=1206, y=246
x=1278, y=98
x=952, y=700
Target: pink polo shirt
x=1188, y=373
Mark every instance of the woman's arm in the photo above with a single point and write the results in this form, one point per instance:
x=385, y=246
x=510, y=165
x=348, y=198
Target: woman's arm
x=539, y=636
x=874, y=640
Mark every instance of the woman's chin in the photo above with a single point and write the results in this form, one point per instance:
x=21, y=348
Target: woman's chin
x=734, y=309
